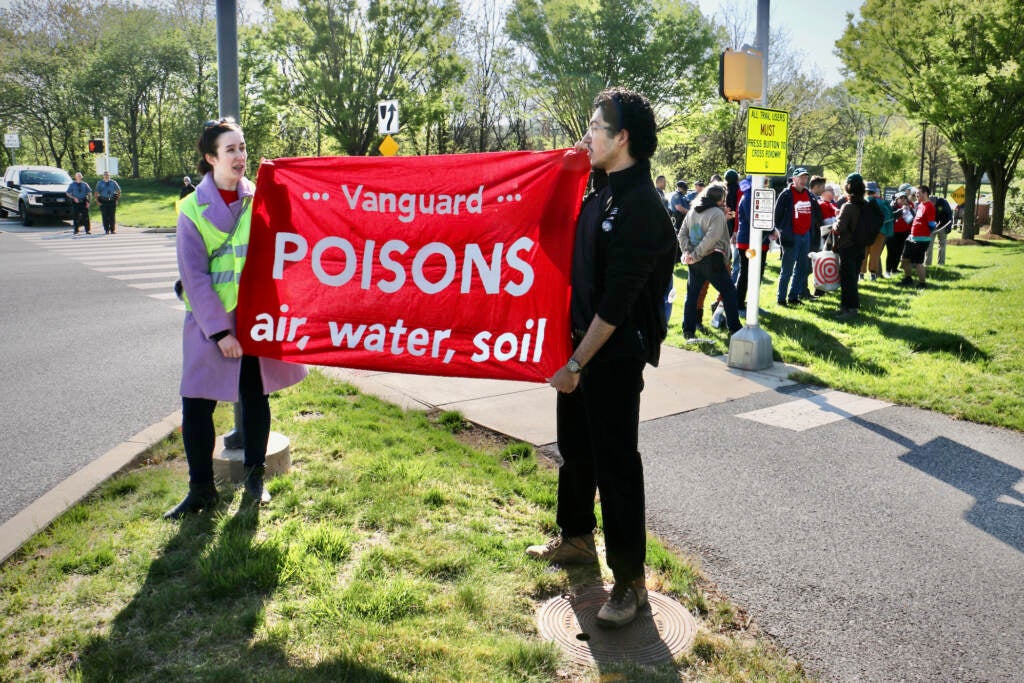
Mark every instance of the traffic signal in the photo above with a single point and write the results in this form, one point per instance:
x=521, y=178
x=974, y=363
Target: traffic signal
x=96, y=146
x=740, y=75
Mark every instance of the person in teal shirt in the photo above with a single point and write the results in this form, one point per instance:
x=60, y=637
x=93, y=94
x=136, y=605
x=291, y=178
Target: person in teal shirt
x=108, y=194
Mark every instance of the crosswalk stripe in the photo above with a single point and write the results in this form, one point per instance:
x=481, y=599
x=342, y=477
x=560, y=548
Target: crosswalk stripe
x=144, y=262
x=145, y=276
x=152, y=285
x=116, y=261
x=121, y=269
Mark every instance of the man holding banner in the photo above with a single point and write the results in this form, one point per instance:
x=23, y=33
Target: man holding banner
x=621, y=267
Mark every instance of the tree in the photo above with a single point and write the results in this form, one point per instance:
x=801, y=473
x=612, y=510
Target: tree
x=40, y=61
x=342, y=56
x=138, y=52
x=960, y=71
x=661, y=48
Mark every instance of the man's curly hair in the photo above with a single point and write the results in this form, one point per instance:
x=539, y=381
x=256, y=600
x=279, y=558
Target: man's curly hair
x=623, y=108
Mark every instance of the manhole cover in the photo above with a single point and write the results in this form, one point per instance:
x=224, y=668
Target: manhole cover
x=660, y=632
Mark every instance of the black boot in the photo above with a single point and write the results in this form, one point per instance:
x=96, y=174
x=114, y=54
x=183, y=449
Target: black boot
x=202, y=496
x=254, y=484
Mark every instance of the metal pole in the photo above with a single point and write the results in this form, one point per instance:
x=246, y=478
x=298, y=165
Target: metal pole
x=106, y=144
x=751, y=347
x=757, y=181
x=227, y=58
x=228, y=105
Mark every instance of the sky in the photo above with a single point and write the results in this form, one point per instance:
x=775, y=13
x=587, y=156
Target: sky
x=814, y=26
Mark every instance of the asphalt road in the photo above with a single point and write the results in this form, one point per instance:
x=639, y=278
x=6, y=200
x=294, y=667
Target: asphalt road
x=887, y=546
x=86, y=360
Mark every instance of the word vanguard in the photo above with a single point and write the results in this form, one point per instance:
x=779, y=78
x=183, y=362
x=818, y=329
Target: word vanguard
x=407, y=204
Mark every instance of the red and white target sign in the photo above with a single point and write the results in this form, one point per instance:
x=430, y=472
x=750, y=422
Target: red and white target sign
x=826, y=270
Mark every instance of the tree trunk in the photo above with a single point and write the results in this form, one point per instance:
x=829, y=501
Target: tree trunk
x=997, y=177
x=972, y=178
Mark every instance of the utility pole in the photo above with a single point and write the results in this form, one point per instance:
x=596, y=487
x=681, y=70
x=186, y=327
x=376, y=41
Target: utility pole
x=227, y=58
x=751, y=347
x=106, y=144
x=227, y=103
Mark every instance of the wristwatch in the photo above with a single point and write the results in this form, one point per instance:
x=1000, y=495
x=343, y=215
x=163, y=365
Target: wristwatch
x=573, y=366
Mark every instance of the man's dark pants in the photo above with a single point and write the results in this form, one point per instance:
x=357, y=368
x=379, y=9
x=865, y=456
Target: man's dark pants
x=598, y=430
x=107, y=210
x=80, y=214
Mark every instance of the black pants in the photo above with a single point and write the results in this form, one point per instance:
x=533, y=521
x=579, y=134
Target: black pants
x=197, y=431
x=80, y=215
x=598, y=427
x=894, y=251
x=849, y=270
x=107, y=210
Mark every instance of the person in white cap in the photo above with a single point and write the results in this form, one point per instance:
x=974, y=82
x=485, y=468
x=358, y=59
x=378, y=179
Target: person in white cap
x=796, y=215
x=187, y=187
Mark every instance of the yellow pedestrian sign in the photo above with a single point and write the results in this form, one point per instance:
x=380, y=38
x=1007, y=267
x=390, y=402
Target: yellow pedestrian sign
x=767, y=141
x=958, y=195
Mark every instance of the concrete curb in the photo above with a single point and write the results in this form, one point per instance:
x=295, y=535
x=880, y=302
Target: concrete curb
x=41, y=512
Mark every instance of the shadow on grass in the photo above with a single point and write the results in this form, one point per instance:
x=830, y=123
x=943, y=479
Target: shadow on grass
x=825, y=345
x=921, y=340
x=195, y=615
x=813, y=337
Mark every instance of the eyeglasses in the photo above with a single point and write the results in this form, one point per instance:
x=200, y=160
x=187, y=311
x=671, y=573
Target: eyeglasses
x=594, y=127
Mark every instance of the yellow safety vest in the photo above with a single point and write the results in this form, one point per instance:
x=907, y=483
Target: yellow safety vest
x=226, y=252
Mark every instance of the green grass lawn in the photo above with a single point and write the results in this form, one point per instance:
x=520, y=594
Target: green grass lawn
x=954, y=347
x=147, y=203
x=392, y=551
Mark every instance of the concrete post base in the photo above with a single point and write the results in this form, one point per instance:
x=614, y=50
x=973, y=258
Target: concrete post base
x=228, y=463
x=750, y=349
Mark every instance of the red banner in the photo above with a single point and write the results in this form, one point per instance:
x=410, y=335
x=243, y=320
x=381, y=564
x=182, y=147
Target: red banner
x=452, y=265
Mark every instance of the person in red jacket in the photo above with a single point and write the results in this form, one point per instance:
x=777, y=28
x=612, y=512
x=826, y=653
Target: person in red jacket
x=920, y=236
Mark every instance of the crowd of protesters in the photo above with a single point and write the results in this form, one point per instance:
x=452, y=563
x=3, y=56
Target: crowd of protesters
x=813, y=219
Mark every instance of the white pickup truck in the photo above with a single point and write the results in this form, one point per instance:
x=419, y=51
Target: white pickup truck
x=35, y=192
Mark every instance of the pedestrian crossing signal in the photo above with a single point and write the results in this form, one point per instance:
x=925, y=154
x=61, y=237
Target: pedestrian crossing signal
x=740, y=75
x=96, y=146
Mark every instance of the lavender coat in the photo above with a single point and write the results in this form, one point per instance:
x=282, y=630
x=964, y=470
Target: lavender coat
x=206, y=373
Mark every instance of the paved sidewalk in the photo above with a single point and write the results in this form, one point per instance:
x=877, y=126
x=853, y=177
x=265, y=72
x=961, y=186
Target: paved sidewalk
x=683, y=381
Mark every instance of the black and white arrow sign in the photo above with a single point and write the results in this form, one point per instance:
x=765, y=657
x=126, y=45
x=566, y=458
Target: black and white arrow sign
x=387, y=117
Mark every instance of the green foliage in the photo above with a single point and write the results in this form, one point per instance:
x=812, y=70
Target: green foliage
x=959, y=71
x=579, y=48
x=341, y=56
x=891, y=160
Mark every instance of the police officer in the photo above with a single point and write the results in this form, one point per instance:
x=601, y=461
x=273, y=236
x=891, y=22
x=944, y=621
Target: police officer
x=679, y=204
x=78, y=192
x=108, y=193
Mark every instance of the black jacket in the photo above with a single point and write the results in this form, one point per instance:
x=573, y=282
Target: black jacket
x=623, y=262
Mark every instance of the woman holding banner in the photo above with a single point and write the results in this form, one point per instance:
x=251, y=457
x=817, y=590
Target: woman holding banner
x=212, y=239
